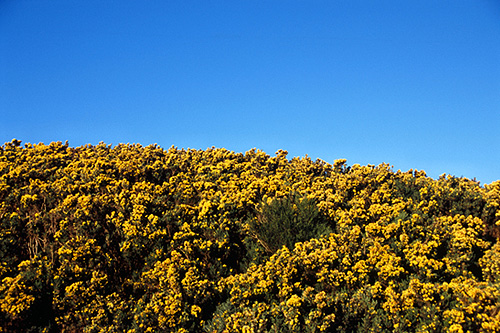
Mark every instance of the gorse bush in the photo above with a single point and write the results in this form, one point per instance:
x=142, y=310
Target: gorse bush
x=143, y=239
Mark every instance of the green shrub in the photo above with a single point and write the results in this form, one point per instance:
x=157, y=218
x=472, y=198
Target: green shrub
x=286, y=221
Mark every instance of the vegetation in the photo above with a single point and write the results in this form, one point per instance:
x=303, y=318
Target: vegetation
x=142, y=239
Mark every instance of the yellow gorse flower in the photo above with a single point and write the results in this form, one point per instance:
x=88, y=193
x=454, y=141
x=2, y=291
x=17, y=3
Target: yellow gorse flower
x=143, y=239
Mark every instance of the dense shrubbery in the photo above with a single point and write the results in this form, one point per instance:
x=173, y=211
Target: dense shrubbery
x=286, y=221
x=142, y=239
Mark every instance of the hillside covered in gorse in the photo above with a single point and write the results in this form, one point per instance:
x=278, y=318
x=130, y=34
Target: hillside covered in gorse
x=143, y=239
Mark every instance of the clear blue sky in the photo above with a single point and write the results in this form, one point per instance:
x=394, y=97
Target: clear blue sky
x=415, y=84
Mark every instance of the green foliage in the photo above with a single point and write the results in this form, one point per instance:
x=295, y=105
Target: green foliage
x=286, y=221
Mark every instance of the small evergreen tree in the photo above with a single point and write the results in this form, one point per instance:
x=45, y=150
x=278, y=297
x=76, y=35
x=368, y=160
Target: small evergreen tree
x=286, y=221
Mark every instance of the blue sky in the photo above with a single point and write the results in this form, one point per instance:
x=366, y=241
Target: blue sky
x=415, y=84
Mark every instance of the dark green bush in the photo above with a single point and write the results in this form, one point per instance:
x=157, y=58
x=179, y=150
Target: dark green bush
x=286, y=221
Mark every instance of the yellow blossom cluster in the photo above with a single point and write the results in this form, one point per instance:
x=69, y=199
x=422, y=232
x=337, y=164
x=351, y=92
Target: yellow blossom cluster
x=143, y=239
